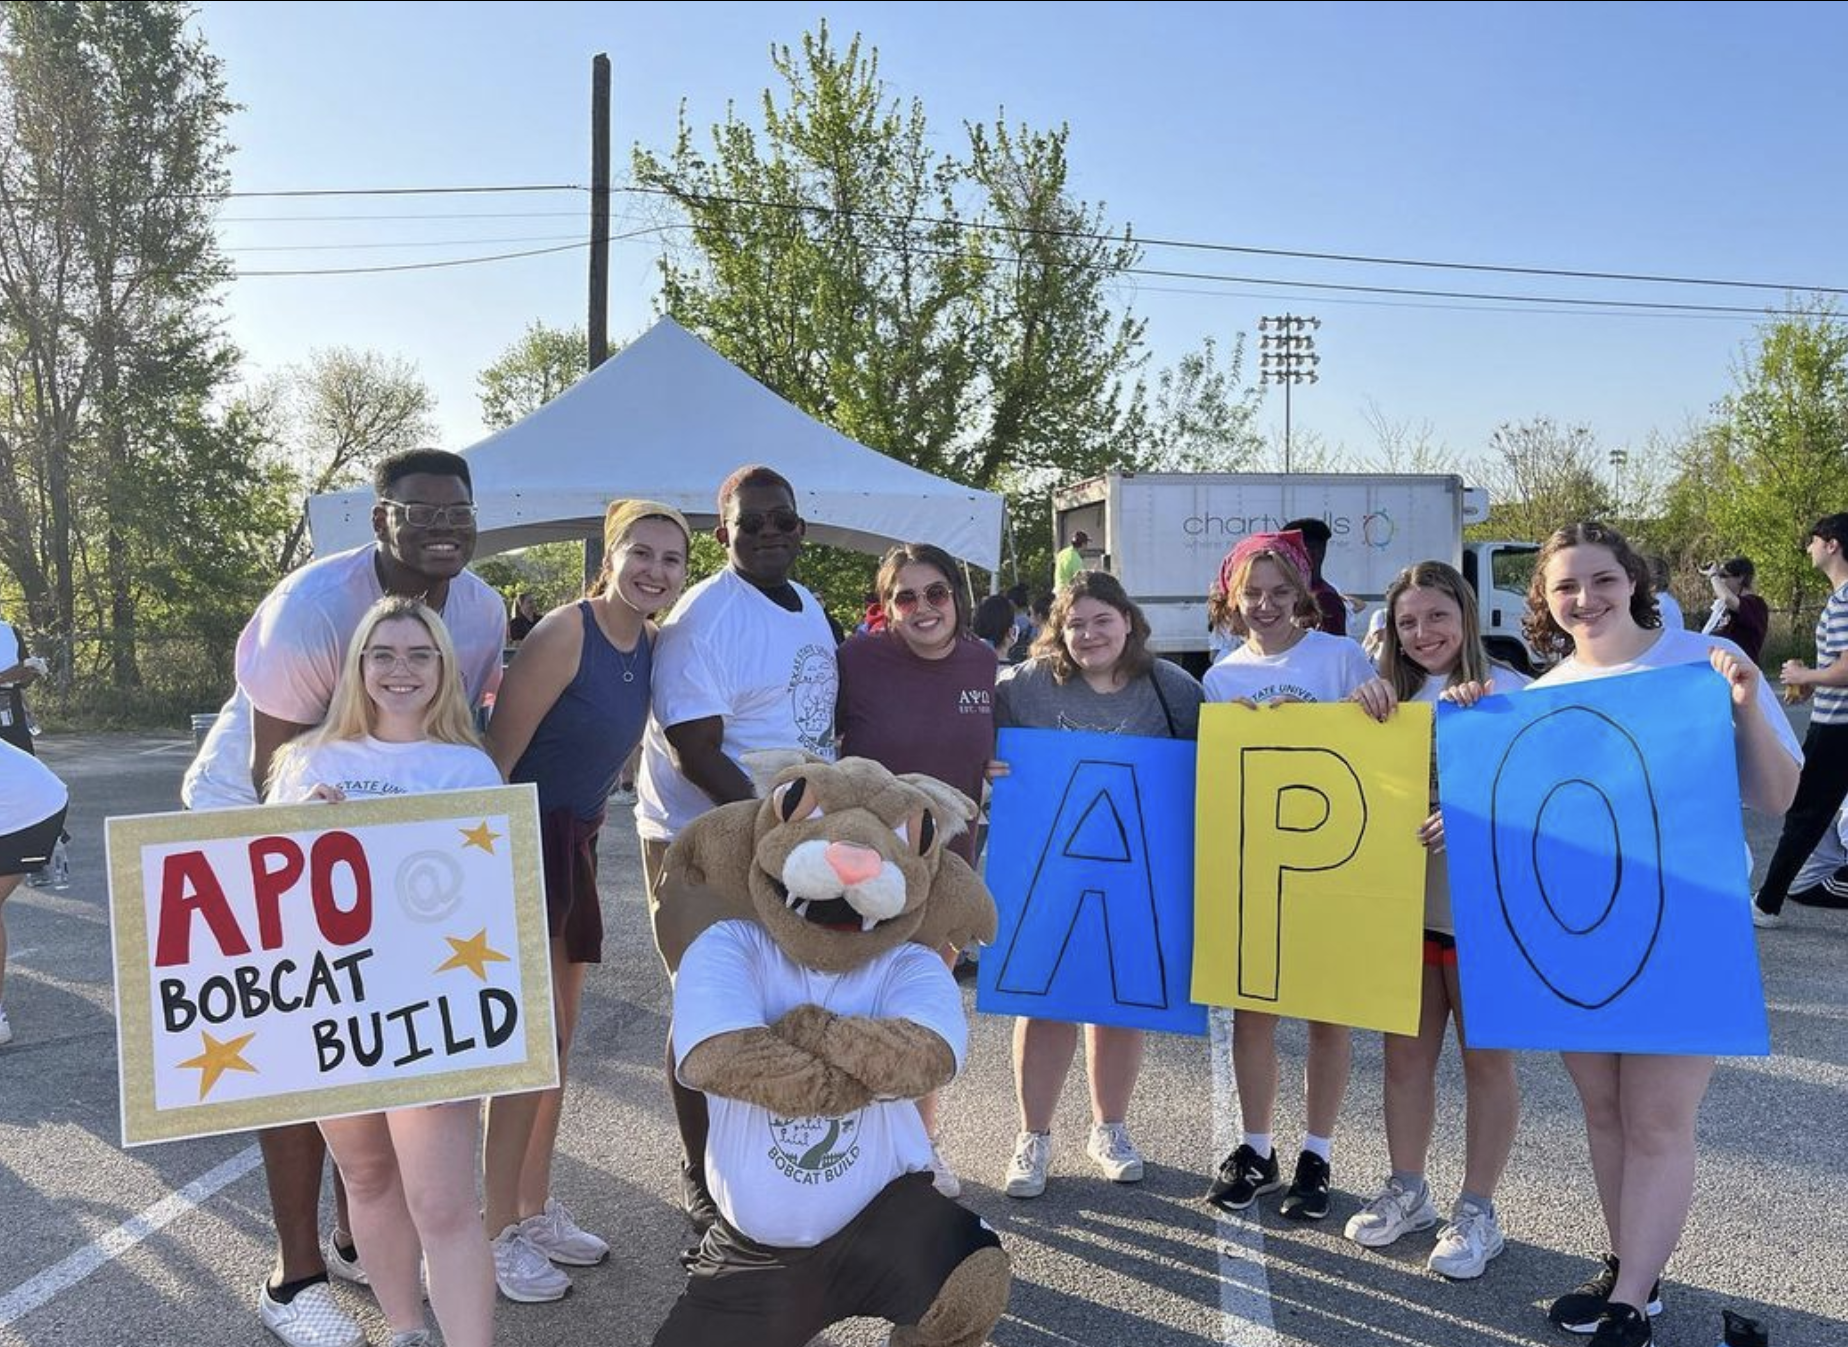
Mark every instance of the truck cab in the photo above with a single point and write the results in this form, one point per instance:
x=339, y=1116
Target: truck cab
x=1500, y=572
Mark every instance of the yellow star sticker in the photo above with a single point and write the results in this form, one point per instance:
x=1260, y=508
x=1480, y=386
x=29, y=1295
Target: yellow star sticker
x=480, y=836
x=219, y=1058
x=472, y=954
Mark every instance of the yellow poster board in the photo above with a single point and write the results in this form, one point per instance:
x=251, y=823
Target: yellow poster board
x=283, y=964
x=1309, y=875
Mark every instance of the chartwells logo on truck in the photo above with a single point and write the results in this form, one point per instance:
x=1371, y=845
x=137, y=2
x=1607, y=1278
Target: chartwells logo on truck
x=1163, y=535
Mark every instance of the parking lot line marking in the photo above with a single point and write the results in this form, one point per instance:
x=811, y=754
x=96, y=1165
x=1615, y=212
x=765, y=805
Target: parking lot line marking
x=1245, y=1315
x=60, y=1277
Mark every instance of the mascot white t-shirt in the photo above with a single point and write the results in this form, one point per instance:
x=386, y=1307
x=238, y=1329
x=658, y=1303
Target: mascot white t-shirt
x=793, y=1182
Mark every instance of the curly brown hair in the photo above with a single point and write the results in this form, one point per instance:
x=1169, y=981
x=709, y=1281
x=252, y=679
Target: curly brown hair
x=1546, y=635
x=1049, y=645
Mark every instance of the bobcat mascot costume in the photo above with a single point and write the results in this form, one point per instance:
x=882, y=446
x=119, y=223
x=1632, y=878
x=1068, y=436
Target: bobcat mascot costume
x=812, y=1008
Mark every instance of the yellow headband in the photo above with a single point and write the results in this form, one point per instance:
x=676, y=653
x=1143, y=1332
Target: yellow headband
x=622, y=514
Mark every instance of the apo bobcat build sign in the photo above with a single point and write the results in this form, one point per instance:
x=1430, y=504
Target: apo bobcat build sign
x=282, y=964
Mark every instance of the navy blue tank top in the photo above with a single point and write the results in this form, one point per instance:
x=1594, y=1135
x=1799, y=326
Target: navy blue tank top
x=579, y=747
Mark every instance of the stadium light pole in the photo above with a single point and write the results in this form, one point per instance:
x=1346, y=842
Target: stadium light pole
x=1286, y=346
x=1620, y=459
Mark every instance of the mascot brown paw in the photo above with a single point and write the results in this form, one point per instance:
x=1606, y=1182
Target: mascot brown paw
x=812, y=1007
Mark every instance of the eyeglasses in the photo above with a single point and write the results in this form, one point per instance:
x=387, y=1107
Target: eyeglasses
x=783, y=521
x=938, y=595
x=382, y=660
x=423, y=516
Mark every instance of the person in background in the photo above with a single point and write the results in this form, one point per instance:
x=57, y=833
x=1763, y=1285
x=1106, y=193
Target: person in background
x=1738, y=613
x=32, y=806
x=1590, y=603
x=1666, y=605
x=525, y=617
x=997, y=624
x=400, y=724
x=1430, y=643
x=919, y=696
x=1070, y=560
x=1824, y=783
x=570, y=712
x=18, y=671
x=1823, y=880
x=744, y=663
x=1091, y=670
x=1023, y=612
x=1328, y=601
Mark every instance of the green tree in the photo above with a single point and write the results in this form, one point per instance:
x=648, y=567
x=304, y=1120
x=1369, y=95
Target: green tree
x=1203, y=416
x=543, y=363
x=112, y=151
x=1779, y=450
x=1541, y=476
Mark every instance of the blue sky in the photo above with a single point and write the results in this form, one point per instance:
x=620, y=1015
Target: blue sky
x=1677, y=139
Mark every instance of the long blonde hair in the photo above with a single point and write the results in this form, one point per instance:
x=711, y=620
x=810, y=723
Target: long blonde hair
x=1406, y=674
x=351, y=714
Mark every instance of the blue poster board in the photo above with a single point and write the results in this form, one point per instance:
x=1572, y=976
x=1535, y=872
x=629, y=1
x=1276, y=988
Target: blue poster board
x=1090, y=860
x=1599, y=874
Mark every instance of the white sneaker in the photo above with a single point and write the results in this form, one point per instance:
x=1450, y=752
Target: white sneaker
x=942, y=1177
x=1394, y=1211
x=1765, y=921
x=313, y=1319
x=557, y=1235
x=415, y=1337
x=522, y=1272
x=1115, y=1153
x=6, y=1030
x=1467, y=1243
x=348, y=1269
x=1026, y=1172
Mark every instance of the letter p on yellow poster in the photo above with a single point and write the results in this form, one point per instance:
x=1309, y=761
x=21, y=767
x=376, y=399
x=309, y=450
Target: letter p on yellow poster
x=1309, y=876
x=282, y=964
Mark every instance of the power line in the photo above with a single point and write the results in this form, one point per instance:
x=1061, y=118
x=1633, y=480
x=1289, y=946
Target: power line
x=402, y=243
x=413, y=215
x=419, y=266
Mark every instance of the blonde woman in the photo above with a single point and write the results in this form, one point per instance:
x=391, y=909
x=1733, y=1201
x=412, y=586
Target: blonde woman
x=399, y=724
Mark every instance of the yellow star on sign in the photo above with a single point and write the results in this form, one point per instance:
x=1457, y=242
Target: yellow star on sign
x=472, y=954
x=219, y=1058
x=480, y=836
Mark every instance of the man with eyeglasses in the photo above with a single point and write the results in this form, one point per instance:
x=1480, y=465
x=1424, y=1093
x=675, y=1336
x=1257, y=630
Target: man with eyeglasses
x=744, y=664
x=288, y=660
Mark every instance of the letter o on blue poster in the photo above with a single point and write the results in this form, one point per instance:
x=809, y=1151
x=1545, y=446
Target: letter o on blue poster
x=1598, y=867
x=1090, y=860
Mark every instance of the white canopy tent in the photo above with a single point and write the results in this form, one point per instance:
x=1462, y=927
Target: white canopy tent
x=668, y=418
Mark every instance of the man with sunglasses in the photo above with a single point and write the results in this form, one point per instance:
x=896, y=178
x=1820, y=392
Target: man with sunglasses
x=744, y=664
x=288, y=660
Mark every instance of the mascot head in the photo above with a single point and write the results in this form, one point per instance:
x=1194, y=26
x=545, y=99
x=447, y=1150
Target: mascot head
x=840, y=862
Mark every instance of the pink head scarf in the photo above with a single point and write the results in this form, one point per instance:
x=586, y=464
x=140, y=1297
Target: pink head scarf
x=1288, y=545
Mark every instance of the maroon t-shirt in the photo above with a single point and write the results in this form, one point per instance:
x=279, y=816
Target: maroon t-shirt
x=1745, y=625
x=1334, y=611
x=908, y=714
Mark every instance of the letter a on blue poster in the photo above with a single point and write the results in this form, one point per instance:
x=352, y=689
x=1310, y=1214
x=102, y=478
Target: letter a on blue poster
x=1598, y=869
x=1090, y=860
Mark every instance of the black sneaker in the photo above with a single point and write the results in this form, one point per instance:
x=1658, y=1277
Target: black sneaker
x=696, y=1200
x=1579, y=1311
x=1307, y=1199
x=1622, y=1326
x=1243, y=1178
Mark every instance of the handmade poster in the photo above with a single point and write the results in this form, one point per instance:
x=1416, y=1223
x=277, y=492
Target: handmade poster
x=1598, y=868
x=1090, y=860
x=1309, y=878
x=280, y=964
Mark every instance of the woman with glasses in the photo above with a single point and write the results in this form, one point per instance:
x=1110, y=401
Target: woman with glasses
x=918, y=696
x=570, y=711
x=400, y=724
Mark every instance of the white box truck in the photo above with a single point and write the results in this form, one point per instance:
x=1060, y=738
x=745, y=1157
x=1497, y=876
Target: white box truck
x=1163, y=535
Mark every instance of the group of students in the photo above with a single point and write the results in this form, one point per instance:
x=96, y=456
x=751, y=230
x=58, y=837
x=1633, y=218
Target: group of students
x=360, y=674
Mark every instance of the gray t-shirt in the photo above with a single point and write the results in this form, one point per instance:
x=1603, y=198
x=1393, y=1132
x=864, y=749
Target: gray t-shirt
x=1028, y=698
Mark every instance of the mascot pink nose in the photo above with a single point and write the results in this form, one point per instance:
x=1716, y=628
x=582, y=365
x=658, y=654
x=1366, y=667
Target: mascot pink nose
x=854, y=865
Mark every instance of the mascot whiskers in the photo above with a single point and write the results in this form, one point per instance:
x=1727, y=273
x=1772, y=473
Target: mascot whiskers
x=812, y=1008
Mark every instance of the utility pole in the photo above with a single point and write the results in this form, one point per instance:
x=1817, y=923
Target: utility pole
x=599, y=325
x=1620, y=459
x=1287, y=356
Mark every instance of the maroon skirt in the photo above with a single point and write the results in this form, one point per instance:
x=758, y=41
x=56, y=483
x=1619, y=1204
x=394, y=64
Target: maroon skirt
x=574, y=913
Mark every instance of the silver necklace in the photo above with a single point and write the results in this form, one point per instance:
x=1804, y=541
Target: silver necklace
x=628, y=664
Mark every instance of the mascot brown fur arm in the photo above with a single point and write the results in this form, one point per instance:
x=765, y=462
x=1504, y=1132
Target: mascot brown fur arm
x=761, y=1067
x=895, y=1059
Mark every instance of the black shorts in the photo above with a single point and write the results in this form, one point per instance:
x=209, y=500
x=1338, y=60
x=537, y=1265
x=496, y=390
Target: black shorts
x=573, y=911
x=889, y=1263
x=30, y=848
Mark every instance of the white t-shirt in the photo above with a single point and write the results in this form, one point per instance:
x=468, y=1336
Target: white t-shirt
x=9, y=644
x=371, y=769
x=29, y=792
x=289, y=656
x=793, y=1182
x=1437, y=867
x=1318, y=668
x=728, y=651
x=1670, y=611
